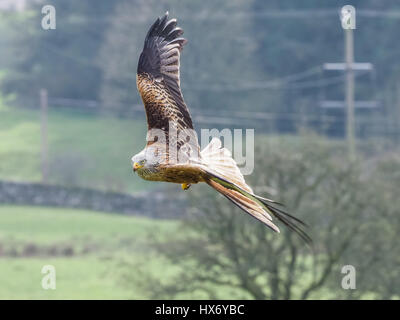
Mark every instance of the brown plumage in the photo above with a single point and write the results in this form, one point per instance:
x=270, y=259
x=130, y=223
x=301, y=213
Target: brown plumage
x=158, y=81
x=172, y=152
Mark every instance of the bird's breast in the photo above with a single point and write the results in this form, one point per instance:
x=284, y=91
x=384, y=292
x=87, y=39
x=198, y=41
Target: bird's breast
x=170, y=174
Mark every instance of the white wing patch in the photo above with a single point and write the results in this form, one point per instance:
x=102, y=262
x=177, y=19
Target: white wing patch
x=220, y=160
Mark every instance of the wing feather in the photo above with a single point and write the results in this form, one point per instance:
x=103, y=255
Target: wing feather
x=158, y=75
x=158, y=81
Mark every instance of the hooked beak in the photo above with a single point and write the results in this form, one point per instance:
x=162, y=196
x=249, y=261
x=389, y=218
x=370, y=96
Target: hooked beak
x=136, y=166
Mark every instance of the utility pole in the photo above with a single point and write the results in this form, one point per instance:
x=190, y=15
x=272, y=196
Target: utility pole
x=397, y=123
x=349, y=56
x=349, y=66
x=43, y=131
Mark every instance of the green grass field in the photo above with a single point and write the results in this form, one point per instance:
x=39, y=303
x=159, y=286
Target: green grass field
x=96, y=255
x=93, y=253
x=84, y=149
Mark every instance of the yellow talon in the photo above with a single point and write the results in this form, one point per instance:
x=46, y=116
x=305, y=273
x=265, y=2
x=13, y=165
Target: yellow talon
x=185, y=186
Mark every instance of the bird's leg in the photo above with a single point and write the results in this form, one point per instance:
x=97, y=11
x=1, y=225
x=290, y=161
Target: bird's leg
x=185, y=186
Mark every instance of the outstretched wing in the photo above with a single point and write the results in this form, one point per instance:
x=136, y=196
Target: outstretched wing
x=158, y=81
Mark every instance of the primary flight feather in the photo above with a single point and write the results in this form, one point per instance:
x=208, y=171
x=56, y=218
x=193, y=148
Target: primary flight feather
x=172, y=152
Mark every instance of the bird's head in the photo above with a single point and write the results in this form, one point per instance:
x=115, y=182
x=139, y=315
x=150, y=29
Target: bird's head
x=145, y=160
x=139, y=161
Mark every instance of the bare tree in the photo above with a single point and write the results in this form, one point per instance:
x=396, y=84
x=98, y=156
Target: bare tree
x=223, y=250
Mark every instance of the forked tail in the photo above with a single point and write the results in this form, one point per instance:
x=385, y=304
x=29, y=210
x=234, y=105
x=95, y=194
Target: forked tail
x=226, y=178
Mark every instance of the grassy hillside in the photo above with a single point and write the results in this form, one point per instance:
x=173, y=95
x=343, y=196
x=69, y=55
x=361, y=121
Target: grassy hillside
x=84, y=149
x=96, y=255
x=92, y=252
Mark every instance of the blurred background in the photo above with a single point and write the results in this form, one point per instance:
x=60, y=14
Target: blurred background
x=327, y=145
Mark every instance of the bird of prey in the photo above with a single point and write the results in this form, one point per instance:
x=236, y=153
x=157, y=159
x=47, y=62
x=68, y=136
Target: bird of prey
x=172, y=152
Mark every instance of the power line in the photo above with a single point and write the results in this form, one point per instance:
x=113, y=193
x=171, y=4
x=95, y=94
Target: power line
x=222, y=117
x=249, y=85
x=284, y=83
x=262, y=121
x=273, y=84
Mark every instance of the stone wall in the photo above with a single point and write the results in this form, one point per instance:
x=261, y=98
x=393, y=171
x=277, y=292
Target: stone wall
x=151, y=204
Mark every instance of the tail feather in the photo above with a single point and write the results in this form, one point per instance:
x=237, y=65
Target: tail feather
x=226, y=178
x=289, y=221
x=268, y=202
x=246, y=204
x=220, y=161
